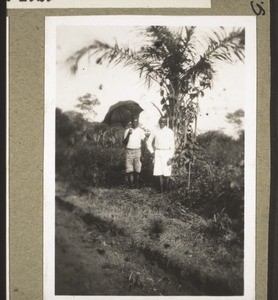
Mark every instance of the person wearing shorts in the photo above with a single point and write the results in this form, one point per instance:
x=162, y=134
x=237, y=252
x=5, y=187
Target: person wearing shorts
x=133, y=138
x=161, y=143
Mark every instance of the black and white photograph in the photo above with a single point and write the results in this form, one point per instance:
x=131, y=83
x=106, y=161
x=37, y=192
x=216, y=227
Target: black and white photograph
x=149, y=157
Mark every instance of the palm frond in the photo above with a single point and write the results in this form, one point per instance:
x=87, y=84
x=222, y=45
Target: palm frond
x=106, y=53
x=74, y=59
x=176, y=55
x=226, y=47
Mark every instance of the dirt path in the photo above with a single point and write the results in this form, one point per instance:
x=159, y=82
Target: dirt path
x=91, y=260
x=128, y=242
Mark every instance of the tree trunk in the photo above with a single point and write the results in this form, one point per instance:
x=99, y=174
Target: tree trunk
x=195, y=127
x=185, y=133
x=189, y=175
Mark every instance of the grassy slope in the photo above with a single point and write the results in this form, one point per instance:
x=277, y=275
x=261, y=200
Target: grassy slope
x=89, y=261
x=160, y=227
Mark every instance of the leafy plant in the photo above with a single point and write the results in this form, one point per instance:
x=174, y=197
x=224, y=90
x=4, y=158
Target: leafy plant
x=217, y=181
x=182, y=64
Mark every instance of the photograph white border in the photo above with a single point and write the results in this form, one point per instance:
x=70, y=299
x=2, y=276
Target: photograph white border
x=17, y=4
x=7, y=167
x=51, y=23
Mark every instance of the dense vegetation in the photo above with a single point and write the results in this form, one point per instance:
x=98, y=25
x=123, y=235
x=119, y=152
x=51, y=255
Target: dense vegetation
x=92, y=154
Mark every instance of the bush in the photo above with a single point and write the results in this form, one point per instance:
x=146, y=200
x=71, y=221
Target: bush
x=91, y=165
x=216, y=186
x=96, y=166
x=88, y=153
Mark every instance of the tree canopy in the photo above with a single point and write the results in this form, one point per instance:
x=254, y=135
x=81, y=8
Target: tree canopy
x=180, y=62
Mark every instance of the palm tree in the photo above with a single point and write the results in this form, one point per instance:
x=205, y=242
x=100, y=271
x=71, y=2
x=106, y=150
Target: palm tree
x=182, y=64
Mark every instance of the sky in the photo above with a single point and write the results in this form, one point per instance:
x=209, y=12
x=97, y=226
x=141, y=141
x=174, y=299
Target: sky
x=121, y=83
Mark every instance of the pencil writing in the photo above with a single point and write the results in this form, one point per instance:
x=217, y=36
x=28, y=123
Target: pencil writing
x=258, y=8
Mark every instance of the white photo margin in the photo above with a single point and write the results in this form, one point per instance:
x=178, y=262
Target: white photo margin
x=51, y=23
x=7, y=167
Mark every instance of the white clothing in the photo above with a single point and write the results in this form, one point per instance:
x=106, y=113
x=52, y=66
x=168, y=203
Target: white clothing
x=164, y=148
x=161, y=166
x=135, y=138
x=163, y=140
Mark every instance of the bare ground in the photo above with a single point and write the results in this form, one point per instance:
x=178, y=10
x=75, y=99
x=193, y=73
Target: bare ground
x=93, y=261
x=137, y=242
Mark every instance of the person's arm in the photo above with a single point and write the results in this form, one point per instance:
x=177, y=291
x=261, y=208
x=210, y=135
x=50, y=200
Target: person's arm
x=126, y=136
x=150, y=142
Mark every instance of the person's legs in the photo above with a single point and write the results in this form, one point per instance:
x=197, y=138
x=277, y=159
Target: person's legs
x=130, y=179
x=137, y=168
x=166, y=183
x=129, y=167
x=137, y=180
x=161, y=184
x=166, y=169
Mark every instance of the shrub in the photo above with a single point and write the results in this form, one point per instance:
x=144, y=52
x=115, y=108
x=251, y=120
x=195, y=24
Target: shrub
x=94, y=166
x=156, y=227
x=216, y=180
x=88, y=153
